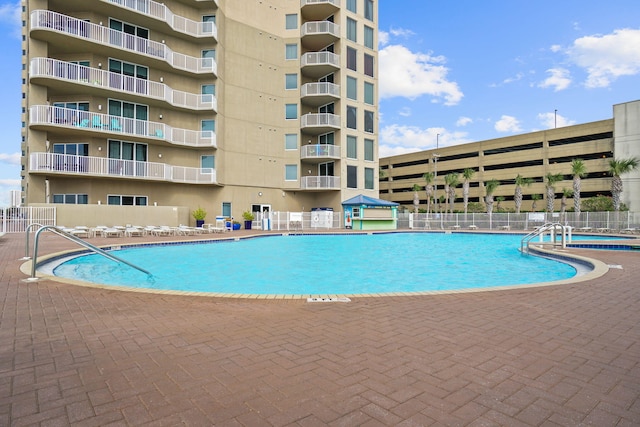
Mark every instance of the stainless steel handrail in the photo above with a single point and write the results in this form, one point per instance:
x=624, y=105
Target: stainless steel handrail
x=542, y=229
x=79, y=241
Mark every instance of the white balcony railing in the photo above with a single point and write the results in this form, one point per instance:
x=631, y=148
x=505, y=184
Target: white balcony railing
x=315, y=151
x=320, y=120
x=66, y=164
x=104, y=123
x=320, y=58
x=323, y=89
x=320, y=27
x=163, y=13
x=61, y=70
x=320, y=183
x=63, y=24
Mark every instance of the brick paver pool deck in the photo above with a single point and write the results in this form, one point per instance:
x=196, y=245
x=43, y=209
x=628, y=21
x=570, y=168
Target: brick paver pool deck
x=551, y=356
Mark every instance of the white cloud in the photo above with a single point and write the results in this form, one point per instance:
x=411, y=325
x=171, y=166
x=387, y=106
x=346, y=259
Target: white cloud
x=407, y=74
x=10, y=159
x=405, y=112
x=551, y=120
x=10, y=14
x=383, y=38
x=607, y=57
x=397, y=139
x=508, y=124
x=463, y=121
x=559, y=79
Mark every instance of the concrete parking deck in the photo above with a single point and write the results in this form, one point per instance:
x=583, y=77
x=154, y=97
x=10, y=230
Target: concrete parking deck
x=551, y=356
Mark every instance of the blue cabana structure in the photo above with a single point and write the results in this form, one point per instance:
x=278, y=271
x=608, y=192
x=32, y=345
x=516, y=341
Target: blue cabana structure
x=368, y=213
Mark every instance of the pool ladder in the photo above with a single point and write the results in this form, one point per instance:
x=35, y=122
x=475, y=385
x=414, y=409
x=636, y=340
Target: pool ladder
x=550, y=227
x=79, y=241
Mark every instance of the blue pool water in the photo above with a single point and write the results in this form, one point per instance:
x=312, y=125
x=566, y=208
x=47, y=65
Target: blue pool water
x=325, y=264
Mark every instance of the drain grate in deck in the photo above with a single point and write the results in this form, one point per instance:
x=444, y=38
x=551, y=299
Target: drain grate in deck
x=329, y=299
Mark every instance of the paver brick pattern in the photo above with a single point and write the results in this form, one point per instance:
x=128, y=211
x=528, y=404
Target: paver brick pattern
x=549, y=356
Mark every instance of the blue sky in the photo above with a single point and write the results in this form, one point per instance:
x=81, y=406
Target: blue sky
x=467, y=70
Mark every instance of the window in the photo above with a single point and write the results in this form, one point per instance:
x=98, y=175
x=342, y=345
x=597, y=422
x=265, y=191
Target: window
x=290, y=172
x=352, y=59
x=352, y=147
x=128, y=110
x=226, y=209
x=208, y=127
x=327, y=138
x=368, y=37
x=208, y=92
x=81, y=149
x=291, y=111
x=352, y=6
x=352, y=30
x=352, y=117
x=207, y=162
x=368, y=178
x=368, y=149
x=291, y=141
x=291, y=21
x=368, y=121
x=368, y=9
x=291, y=51
x=113, y=199
x=352, y=176
x=208, y=58
x=369, y=93
x=291, y=81
x=368, y=65
x=352, y=88
x=71, y=199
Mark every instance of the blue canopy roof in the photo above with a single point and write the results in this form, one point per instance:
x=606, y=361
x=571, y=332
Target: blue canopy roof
x=368, y=201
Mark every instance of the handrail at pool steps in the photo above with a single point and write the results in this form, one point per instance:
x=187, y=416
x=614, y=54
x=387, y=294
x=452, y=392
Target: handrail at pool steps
x=62, y=233
x=539, y=231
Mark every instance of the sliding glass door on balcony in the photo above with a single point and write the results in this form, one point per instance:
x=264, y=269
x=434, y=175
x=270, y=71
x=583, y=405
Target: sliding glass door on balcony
x=127, y=158
x=138, y=112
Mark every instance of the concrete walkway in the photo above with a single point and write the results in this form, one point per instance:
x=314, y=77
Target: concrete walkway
x=554, y=356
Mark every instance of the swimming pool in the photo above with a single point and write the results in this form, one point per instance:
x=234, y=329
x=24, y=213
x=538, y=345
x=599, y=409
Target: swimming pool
x=342, y=264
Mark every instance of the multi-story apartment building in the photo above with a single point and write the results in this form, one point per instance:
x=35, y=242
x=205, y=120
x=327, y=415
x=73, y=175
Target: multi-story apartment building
x=532, y=155
x=221, y=104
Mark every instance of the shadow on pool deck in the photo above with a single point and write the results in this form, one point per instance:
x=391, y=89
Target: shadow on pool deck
x=560, y=355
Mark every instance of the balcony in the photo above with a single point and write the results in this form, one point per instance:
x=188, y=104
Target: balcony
x=319, y=34
x=71, y=165
x=45, y=117
x=316, y=153
x=314, y=10
x=316, y=94
x=320, y=183
x=318, y=123
x=161, y=12
x=52, y=24
x=318, y=64
x=49, y=71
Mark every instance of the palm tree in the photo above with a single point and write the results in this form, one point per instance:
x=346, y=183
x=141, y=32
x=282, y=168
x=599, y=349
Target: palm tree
x=428, y=177
x=520, y=182
x=490, y=187
x=416, y=198
x=579, y=171
x=552, y=180
x=566, y=193
x=617, y=168
x=451, y=180
x=467, y=174
x=534, y=204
